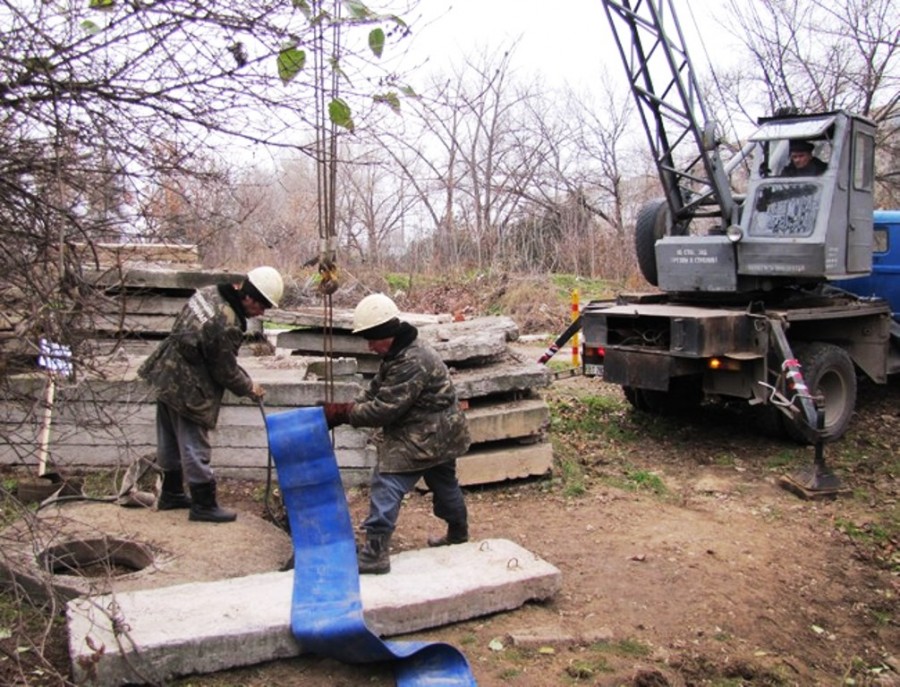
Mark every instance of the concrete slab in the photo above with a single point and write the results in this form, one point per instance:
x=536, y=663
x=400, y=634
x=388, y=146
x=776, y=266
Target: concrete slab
x=498, y=464
x=155, y=635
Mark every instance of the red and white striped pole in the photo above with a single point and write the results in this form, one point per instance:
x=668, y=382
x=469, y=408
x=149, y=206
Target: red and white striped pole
x=576, y=358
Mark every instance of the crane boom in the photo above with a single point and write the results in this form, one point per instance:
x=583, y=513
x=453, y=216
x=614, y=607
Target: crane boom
x=664, y=86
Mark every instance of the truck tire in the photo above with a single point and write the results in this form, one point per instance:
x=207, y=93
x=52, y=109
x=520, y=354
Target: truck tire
x=634, y=396
x=651, y=225
x=827, y=370
x=684, y=395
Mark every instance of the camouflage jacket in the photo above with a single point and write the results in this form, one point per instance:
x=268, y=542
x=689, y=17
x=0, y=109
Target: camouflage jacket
x=414, y=403
x=191, y=369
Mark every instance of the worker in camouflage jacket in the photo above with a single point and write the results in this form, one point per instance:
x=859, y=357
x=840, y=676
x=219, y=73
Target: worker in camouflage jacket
x=422, y=430
x=190, y=372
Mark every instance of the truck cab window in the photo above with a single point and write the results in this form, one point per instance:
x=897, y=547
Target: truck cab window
x=863, y=166
x=786, y=209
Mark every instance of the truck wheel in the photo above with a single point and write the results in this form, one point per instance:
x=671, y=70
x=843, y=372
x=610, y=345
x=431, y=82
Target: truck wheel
x=635, y=398
x=827, y=370
x=651, y=225
x=684, y=394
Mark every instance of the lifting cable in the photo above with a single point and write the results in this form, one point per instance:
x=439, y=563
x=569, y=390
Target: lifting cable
x=715, y=77
x=325, y=83
x=326, y=86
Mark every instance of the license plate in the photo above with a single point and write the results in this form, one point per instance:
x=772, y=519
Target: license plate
x=593, y=370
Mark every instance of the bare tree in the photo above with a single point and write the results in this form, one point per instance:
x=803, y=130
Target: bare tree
x=373, y=207
x=460, y=153
x=815, y=55
x=111, y=111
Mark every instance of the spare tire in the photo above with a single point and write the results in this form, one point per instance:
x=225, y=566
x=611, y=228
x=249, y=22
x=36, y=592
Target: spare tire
x=652, y=224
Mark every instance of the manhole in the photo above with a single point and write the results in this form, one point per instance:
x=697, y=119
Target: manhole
x=102, y=557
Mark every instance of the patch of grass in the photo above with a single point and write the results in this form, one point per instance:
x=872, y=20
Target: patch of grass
x=882, y=618
x=725, y=459
x=588, y=289
x=867, y=533
x=589, y=415
x=572, y=476
x=624, y=647
x=876, y=538
x=587, y=669
x=560, y=364
x=643, y=480
x=787, y=458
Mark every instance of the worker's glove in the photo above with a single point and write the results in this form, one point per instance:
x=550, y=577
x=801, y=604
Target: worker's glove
x=257, y=393
x=337, y=413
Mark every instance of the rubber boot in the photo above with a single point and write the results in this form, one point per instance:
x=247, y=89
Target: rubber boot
x=374, y=558
x=172, y=496
x=205, y=508
x=457, y=533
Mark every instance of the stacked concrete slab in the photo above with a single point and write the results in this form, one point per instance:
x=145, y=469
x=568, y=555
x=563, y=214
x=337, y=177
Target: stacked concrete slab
x=105, y=417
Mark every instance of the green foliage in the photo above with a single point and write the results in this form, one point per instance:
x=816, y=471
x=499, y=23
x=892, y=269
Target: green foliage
x=90, y=28
x=391, y=99
x=398, y=282
x=339, y=113
x=358, y=10
x=290, y=62
x=376, y=41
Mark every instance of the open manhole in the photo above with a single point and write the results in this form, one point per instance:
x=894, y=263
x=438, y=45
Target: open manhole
x=102, y=557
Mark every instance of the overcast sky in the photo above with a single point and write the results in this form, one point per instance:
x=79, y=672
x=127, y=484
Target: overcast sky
x=565, y=41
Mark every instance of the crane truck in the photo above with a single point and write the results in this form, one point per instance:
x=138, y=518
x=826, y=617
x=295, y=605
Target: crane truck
x=753, y=297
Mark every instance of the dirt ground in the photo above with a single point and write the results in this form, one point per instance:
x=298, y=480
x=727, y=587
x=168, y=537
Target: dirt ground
x=683, y=561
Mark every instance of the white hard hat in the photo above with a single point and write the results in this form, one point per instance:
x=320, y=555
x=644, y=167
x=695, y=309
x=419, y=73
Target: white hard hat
x=373, y=310
x=268, y=282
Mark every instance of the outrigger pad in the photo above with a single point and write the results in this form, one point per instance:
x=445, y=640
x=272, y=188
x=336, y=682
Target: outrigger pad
x=326, y=609
x=813, y=483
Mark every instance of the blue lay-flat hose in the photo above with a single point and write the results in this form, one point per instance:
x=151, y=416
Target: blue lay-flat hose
x=326, y=608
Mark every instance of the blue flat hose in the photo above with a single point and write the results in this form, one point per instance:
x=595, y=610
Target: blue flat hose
x=326, y=608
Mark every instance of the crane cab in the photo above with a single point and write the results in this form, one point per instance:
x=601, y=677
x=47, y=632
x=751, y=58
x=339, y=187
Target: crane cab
x=812, y=223
x=794, y=226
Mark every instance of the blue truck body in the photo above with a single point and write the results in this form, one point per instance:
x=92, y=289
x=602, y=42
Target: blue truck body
x=884, y=281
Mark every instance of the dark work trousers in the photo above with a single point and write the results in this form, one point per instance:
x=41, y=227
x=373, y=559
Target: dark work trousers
x=387, y=490
x=182, y=445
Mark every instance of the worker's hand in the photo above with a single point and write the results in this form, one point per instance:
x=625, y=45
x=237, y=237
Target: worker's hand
x=337, y=413
x=257, y=392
